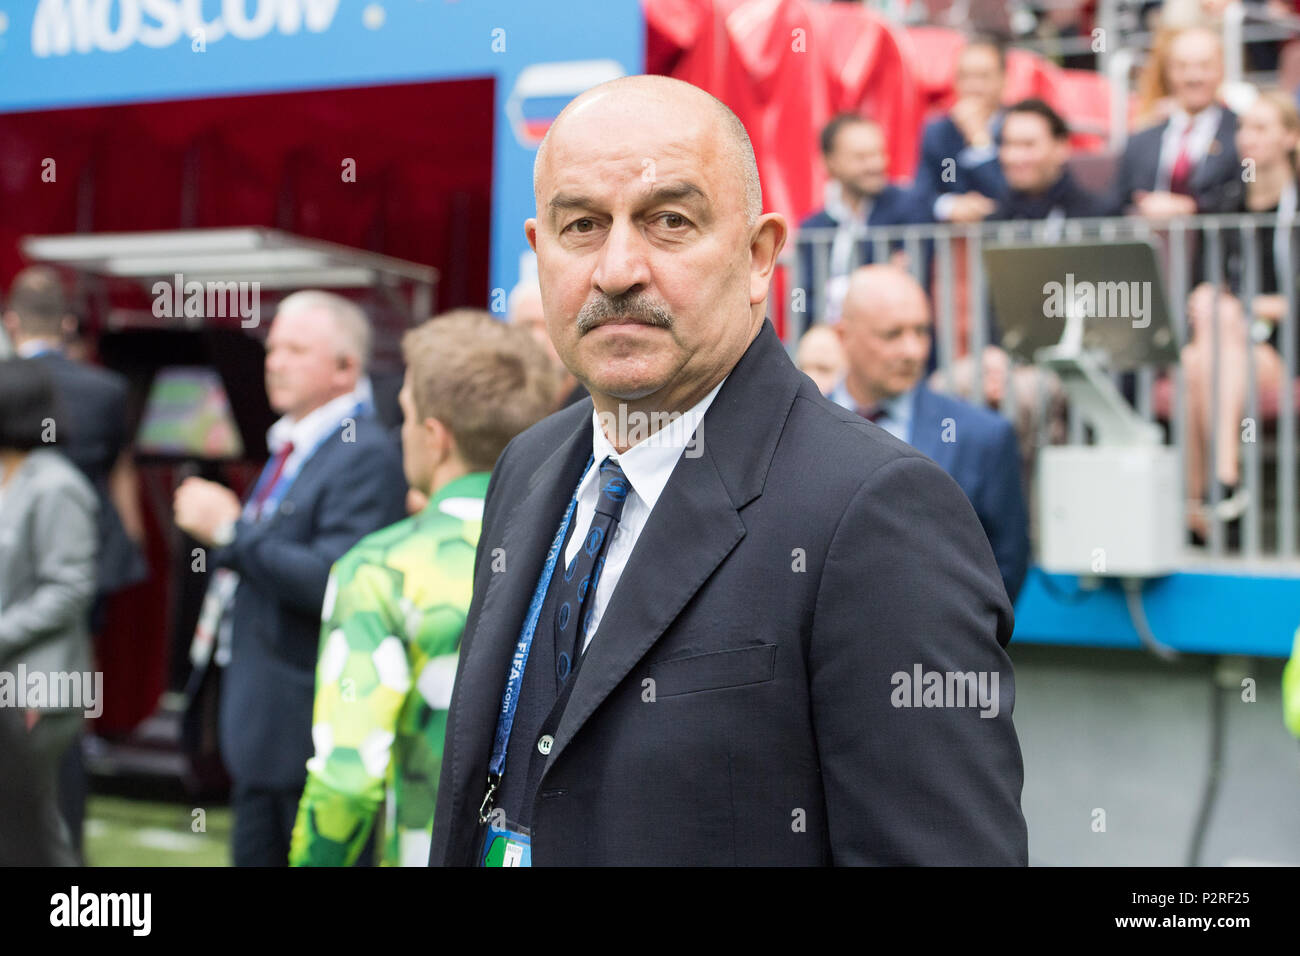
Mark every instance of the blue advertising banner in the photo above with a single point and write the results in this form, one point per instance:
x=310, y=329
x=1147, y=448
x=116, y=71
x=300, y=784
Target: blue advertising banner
x=71, y=53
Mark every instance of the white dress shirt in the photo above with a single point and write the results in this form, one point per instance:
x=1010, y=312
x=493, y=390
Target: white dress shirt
x=648, y=465
x=313, y=428
x=1204, y=127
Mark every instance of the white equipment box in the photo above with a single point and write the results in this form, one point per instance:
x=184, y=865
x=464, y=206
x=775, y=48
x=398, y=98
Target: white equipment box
x=1109, y=510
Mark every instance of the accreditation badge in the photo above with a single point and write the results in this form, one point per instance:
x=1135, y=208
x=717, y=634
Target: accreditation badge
x=506, y=845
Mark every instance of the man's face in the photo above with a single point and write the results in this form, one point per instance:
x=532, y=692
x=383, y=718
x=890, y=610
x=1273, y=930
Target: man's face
x=821, y=358
x=979, y=76
x=1195, y=70
x=886, y=340
x=305, y=367
x=650, y=285
x=859, y=160
x=417, y=456
x=1032, y=159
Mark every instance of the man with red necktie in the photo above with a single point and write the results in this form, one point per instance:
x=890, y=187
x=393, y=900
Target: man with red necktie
x=335, y=476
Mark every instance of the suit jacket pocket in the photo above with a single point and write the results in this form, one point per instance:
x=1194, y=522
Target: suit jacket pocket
x=733, y=667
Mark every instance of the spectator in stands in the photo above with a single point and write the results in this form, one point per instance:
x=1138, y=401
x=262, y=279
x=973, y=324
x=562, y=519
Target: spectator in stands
x=959, y=173
x=1267, y=140
x=821, y=357
x=48, y=552
x=1034, y=153
x=858, y=196
x=524, y=308
x=1175, y=168
x=92, y=432
x=335, y=476
x=399, y=597
x=886, y=335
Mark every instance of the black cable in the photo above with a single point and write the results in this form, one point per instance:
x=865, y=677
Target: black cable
x=1213, y=772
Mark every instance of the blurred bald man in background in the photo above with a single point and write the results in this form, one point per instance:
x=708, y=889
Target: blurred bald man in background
x=886, y=333
x=524, y=308
x=696, y=593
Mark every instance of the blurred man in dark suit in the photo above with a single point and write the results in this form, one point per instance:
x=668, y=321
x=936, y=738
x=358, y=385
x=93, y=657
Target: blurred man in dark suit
x=1179, y=167
x=1034, y=154
x=858, y=196
x=959, y=171
x=91, y=430
x=703, y=597
x=335, y=476
x=886, y=336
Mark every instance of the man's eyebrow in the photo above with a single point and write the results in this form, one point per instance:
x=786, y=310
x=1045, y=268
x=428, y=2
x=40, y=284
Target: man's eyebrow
x=676, y=192
x=667, y=192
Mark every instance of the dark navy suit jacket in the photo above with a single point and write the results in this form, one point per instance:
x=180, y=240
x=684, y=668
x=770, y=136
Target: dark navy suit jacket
x=978, y=448
x=942, y=141
x=740, y=702
x=1139, y=166
x=895, y=206
x=344, y=491
x=91, y=429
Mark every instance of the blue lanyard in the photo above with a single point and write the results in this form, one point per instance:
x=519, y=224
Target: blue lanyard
x=514, y=683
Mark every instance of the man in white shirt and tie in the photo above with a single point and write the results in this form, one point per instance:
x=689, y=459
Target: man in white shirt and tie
x=1177, y=167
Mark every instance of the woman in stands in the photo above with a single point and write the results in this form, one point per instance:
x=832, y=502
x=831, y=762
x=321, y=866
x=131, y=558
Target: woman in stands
x=1267, y=141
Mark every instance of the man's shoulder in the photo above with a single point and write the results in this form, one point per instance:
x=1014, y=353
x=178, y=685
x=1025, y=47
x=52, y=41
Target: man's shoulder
x=981, y=424
x=939, y=128
x=839, y=448
x=69, y=372
x=820, y=219
x=1147, y=138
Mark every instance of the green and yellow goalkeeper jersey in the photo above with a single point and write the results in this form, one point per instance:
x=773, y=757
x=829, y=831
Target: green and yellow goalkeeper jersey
x=392, y=621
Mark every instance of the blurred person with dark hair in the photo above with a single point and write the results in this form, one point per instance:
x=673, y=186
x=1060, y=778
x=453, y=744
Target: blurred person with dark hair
x=397, y=600
x=959, y=172
x=1034, y=153
x=92, y=433
x=886, y=332
x=335, y=475
x=821, y=357
x=1177, y=167
x=524, y=308
x=48, y=548
x=1267, y=139
x=858, y=195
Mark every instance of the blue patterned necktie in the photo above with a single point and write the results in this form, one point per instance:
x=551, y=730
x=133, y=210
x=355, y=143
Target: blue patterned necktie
x=575, y=595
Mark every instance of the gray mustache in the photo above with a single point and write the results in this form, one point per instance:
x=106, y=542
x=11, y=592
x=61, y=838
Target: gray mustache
x=637, y=308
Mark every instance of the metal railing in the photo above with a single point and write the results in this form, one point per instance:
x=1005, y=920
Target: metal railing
x=1203, y=248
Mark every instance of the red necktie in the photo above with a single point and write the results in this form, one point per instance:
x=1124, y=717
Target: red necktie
x=264, y=492
x=873, y=414
x=1182, y=171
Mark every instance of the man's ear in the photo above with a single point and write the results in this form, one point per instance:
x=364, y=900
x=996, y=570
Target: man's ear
x=441, y=441
x=768, y=239
x=530, y=231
